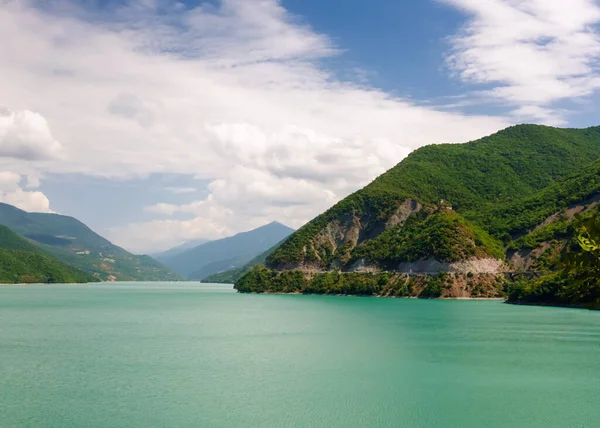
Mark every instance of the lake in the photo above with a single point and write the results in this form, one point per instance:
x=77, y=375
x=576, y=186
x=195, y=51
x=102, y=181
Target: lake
x=199, y=355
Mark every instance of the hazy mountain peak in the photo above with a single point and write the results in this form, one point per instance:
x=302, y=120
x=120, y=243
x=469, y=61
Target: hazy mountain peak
x=226, y=253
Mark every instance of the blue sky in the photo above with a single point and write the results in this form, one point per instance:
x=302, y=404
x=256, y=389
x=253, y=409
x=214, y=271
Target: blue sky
x=398, y=52
x=157, y=122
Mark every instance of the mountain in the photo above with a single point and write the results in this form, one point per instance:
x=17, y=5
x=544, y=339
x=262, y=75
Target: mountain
x=23, y=262
x=75, y=244
x=228, y=253
x=233, y=275
x=180, y=248
x=446, y=221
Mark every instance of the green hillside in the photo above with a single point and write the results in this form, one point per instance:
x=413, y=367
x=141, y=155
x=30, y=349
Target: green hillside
x=23, y=262
x=72, y=242
x=481, y=175
x=476, y=208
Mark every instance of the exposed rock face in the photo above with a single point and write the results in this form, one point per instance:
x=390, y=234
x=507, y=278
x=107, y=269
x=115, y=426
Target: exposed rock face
x=331, y=246
x=345, y=231
x=434, y=267
x=405, y=210
x=523, y=260
x=454, y=285
x=431, y=266
x=450, y=219
x=361, y=266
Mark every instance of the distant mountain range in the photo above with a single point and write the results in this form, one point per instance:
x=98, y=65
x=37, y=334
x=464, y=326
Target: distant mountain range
x=231, y=276
x=217, y=256
x=76, y=245
x=179, y=249
x=488, y=218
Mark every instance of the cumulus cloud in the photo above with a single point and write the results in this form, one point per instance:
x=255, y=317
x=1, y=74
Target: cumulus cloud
x=236, y=93
x=33, y=182
x=534, y=52
x=12, y=193
x=26, y=135
x=209, y=219
x=9, y=179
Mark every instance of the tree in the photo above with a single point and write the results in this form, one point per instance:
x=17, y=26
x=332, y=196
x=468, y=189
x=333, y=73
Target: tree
x=582, y=267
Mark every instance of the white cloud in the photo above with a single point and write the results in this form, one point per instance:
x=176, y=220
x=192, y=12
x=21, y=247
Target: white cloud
x=131, y=106
x=11, y=193
x=33, y=181
x=34, y=201
x=534, y=52
x=9, y=180
x=233, y=93
x=26, y=135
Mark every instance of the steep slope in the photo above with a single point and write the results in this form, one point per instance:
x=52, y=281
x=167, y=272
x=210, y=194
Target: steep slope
x=231, y=276
x=74, y=243
x=23, y=262
x=179, y=249
x=224, y=254
x=449, y=208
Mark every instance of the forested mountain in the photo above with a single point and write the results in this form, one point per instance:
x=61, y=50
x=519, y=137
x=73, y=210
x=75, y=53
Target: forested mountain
x=75, y=244
x=224, y=254
x=23, y=262
x=449, y=220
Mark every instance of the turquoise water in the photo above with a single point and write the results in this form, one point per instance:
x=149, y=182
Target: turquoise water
x=189, y=355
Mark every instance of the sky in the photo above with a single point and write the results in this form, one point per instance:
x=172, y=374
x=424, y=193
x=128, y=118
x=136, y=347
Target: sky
x=156, y=122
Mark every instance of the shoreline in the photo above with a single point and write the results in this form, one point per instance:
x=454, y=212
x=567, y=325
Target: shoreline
x=589, y=307
x=483, y=299
x=297, y=293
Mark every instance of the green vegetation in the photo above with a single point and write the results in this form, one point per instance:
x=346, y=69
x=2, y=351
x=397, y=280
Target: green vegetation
x=510, y=196
x=263, y=280
x=444, y=236
x=478, y=179
x=23, y=262
x=73, y=243
x=578, y=283
x=514, y=219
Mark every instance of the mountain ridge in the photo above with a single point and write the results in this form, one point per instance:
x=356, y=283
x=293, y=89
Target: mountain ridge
x=231, y=276
x=444, y=204
x=74, y=243
x=231, y=252
x=179, y=248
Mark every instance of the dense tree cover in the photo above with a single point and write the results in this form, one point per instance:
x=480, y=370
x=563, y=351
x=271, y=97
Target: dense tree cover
x=27, y=267
x=578, y=281
x=515, y=191
x=73, y=243
x=263, y=280
x=444, y=236
x=514, y=219
x=23, y=262
x=583, y=266
x=479, y=180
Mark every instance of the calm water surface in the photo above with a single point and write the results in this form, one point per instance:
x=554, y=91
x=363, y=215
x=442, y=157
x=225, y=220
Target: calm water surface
x=189, y=355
